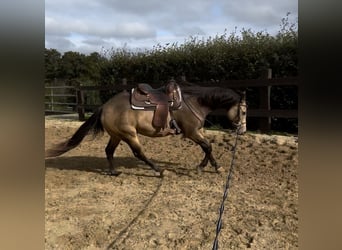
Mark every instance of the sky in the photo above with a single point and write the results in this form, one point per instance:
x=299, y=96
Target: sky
x=88, y=26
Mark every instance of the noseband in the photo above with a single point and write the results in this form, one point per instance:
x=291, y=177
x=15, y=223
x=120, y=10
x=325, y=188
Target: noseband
x=242, y=123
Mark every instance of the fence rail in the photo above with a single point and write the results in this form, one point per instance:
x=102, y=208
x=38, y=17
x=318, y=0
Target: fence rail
x=263, y=112
x=58, y=102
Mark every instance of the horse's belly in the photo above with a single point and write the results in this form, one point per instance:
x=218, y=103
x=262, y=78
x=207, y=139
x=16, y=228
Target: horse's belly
x=144, y=124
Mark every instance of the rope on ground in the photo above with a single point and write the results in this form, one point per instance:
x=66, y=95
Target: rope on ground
x=225, y=195
x=123, y=231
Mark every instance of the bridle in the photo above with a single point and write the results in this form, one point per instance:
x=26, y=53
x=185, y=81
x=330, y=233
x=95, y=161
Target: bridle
x=239, y=124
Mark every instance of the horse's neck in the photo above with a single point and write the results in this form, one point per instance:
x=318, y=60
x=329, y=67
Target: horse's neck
x=200, y=111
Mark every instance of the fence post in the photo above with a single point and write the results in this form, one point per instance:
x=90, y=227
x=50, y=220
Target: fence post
x=80, y=104
x=51, y=94
x=265, y=103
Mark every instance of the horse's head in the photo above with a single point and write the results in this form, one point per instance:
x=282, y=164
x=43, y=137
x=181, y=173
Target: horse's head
x=238, y=114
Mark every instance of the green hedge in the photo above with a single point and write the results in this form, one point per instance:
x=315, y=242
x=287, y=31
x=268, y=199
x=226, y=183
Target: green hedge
x=235, y=56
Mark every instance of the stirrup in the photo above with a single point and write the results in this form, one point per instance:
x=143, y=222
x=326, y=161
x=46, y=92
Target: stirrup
x=174, y=125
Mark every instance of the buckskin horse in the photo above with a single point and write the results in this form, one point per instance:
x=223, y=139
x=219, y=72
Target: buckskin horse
x=122, y=121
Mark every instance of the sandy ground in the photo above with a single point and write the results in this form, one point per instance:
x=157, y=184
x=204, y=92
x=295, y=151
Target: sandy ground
x=86, y=209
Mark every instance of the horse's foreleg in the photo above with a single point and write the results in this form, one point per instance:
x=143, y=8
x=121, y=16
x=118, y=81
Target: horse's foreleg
x=136, y=148
x=110, y=149
x=207, y=148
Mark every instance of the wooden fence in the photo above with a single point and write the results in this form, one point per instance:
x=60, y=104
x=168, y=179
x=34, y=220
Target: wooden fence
x=264, y=112
x=59, y=99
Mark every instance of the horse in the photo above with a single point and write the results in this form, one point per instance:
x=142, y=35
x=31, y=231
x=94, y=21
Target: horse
x=123, y=123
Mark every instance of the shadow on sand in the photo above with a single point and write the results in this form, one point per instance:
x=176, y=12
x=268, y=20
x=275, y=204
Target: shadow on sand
x=129, y=165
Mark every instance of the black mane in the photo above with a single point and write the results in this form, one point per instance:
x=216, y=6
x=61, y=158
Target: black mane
x=213, y=97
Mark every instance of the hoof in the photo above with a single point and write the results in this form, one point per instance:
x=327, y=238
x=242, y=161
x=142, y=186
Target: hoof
x=167, y=173
x=114, y=173
x=159, y=173
x=219, y=170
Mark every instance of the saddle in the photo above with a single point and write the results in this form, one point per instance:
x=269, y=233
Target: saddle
x=162, y=100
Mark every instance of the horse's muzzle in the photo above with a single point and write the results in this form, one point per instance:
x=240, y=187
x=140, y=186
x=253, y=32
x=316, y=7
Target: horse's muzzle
x=240, y=128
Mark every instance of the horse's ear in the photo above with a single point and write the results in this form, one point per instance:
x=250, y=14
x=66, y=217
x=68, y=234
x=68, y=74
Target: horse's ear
x=242, y=93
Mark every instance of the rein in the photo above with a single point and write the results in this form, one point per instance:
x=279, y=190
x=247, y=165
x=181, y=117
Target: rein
x=225, y=194
x=229, y=176
x=192, y=110
x=199, y=117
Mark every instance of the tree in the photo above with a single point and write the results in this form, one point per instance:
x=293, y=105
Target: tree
x=72, y=66
x=93, y=65
x=52, y=64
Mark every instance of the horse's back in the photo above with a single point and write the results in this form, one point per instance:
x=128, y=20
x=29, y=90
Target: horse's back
x=119, y=99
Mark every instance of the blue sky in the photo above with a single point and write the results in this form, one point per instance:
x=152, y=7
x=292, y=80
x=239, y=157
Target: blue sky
x=93, y=25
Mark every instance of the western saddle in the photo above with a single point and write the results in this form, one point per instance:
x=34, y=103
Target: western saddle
x=162, y=100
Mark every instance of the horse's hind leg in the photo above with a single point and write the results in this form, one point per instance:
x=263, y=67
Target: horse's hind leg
x=110, y=149
x=136, y=148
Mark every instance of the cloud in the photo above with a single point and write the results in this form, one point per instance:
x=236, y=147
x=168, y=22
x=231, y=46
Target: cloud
x=156, y=8
x=118, y=30
x=54, y=28
x=190, y=31
x=146, y=23
x=62, y=44
x=259, y=13
x=133, y=30
x=94, y=41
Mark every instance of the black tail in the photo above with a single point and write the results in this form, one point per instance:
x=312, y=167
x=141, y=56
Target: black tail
x=93, y=124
